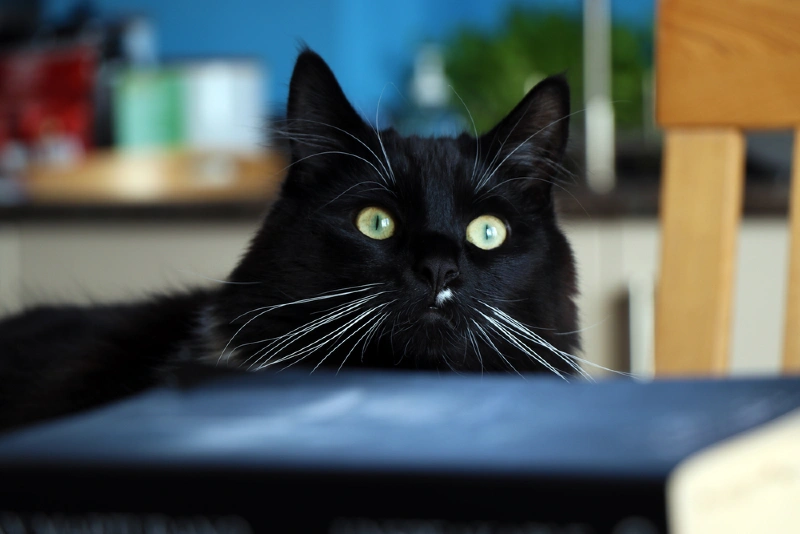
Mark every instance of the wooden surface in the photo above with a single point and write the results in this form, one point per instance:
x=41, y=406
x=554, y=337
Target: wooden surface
x=791, y=339
x=701, y=198
x=157, y=177
x=728, y=63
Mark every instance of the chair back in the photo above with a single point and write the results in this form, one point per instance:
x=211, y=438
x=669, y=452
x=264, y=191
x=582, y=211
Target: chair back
x=722, y=67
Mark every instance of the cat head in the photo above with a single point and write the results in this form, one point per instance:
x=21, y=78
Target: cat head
x=391, y=251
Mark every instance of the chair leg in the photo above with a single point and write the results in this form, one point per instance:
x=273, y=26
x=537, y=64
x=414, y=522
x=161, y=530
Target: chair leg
x=791, y=339
x=701, y=202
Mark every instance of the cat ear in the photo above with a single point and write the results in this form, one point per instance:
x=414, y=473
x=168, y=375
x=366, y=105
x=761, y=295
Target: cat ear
x=534, y=135
x=319, y=116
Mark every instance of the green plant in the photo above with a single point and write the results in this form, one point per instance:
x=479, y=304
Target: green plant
x=492, y=71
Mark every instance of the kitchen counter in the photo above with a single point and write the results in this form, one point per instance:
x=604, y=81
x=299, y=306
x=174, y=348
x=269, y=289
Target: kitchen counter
x=181, y=185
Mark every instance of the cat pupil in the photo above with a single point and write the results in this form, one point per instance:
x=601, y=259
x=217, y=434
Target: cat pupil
x=491, y=232
x=377, y=222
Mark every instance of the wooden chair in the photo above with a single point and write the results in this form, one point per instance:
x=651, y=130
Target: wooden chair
x=723, y=66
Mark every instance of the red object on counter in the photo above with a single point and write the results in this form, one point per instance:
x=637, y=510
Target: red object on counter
x=46, y=92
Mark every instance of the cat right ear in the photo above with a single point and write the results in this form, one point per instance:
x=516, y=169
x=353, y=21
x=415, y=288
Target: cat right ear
x=319, y=117
x=534, y=134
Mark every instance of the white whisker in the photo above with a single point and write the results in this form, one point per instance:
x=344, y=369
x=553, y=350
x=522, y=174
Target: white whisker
x=287, y=339
x=187, y=271
x=372, y=334
x=368, y=335
x=475, y=130
x=532, y=336
x=332, y=336
x=326, y=152
x=509, y=336
x=378, y=133
x=385, y=170
x=380, y=187
x=551, y=182
x=486, y=180
x=499, y=150
x=474, y=343
x=266, y=309
x=526, y=331
x=489, y=341
x=322, y=296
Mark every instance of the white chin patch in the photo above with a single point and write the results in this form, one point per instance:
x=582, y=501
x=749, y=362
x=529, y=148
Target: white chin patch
x=443, y=296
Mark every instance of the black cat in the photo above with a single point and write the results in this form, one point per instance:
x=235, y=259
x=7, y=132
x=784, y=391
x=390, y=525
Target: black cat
x=383, y=251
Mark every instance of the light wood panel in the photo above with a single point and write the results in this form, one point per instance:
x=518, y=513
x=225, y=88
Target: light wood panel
x=728, y=63
x=701, y=199
x=791, y=339
x=158, y=177
x=741, y=485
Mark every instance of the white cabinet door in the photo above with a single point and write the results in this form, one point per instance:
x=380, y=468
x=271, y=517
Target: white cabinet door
x=10, y=276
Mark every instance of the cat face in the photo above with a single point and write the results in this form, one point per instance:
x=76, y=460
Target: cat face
x=391, y=251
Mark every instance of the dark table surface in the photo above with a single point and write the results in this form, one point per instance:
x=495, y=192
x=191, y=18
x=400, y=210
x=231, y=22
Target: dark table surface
x=409, y=422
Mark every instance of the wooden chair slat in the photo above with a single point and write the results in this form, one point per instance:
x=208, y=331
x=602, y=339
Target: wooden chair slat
x=701, y=200
x=791, y=339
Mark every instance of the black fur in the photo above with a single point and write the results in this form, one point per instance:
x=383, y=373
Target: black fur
x=57, y=360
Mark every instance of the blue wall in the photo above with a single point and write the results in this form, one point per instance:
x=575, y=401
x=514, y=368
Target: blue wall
x=368, y=43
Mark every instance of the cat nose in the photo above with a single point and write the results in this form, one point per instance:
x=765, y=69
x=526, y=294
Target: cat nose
x=437, y=272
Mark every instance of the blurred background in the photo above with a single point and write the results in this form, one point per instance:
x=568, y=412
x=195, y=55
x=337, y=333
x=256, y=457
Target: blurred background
x=136, y=154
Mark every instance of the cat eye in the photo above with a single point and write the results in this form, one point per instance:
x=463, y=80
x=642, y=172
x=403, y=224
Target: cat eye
x=486, y=232
x=375, y=223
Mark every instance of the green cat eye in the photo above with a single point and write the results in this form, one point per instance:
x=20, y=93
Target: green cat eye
x=486, y=232
x=375, y=223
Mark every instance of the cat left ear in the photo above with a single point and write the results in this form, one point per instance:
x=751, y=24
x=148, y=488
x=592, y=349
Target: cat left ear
x=535, y=133
x=318, y=113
